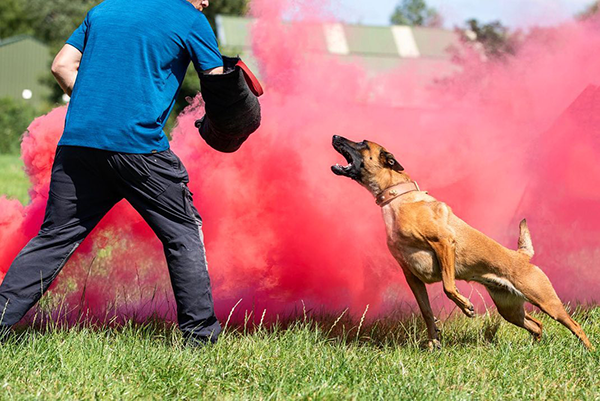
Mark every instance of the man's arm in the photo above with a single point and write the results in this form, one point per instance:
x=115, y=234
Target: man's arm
x=213, y=71
x=65, y=67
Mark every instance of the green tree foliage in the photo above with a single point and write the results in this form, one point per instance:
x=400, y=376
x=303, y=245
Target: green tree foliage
x=493, y=40
x=15, y=117
x=483, y=43
x=225, y=7
x=13, y=19
x=415, y=13
x=54, y=21
x=589, y=12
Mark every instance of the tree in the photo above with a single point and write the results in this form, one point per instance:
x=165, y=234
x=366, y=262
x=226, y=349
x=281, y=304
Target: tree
x=493, y=39
x=416, y=13
x=589, y=12
x=13, y=19
x=54, y=21
x=15, y=117
x=225, y=7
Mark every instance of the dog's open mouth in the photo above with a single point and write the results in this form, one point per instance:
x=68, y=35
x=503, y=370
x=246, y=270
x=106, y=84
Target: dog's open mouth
x=345, y=148
x=343, y=170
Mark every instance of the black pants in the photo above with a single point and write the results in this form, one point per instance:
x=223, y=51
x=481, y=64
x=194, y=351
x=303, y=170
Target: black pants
x=86, y=183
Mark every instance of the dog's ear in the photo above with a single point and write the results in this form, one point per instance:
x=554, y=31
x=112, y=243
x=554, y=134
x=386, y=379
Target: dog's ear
x=387, y=159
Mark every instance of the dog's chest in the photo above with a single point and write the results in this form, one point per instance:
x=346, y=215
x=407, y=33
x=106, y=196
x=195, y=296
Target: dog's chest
x=422, y=263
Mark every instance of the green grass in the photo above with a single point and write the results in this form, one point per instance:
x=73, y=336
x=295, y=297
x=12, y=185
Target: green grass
x=482, y=358
x=13, y=181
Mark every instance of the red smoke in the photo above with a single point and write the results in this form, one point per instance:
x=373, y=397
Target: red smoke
x=280, y=228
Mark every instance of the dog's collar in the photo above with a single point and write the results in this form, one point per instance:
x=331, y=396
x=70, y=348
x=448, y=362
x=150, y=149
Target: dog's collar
x=391, y=193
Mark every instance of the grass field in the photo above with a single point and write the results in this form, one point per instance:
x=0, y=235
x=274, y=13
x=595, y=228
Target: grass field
x=13, y=181
x=319, y=357
x=480, y=360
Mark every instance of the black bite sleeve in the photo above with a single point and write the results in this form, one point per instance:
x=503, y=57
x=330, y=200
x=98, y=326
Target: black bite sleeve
x=232, y=110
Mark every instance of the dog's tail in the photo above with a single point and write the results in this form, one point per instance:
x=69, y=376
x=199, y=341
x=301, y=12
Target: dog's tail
x=525, y=244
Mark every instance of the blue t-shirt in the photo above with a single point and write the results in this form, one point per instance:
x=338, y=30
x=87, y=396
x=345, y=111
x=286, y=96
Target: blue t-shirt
x=134, y=58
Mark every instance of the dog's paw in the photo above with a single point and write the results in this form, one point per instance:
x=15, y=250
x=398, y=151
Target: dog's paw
x=469, y=310
x=433, y=345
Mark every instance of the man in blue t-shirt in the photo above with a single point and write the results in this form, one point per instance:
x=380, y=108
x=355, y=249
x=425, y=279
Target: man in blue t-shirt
x=123, y=68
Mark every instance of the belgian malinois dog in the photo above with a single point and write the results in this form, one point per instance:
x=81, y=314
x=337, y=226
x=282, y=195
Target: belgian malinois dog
x=431, y=244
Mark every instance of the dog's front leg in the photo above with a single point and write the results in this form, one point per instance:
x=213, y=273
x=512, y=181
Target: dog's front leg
x=444, y=249
x=420, y=291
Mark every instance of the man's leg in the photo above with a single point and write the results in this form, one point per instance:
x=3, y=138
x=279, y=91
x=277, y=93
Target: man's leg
x=161, y=197
x=79, y=197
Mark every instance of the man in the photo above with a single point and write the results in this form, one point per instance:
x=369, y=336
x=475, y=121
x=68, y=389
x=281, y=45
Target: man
x=123, y=68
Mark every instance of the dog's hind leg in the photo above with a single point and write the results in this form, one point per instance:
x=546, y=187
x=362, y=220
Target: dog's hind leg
x=510, y=307
x=420, y=291
x=534, y=322
x=538, y=290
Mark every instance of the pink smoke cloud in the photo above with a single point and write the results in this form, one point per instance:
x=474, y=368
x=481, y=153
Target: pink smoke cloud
x=280, y=228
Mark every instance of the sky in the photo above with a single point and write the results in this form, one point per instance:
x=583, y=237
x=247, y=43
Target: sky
x=514, y=13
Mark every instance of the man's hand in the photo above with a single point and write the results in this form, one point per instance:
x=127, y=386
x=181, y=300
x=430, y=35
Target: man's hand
x=65, y=67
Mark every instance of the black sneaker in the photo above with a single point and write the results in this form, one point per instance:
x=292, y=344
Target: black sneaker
x=193, y=341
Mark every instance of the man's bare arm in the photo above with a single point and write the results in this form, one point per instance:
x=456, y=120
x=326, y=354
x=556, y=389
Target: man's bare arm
x=213, y=71
x=65, y=67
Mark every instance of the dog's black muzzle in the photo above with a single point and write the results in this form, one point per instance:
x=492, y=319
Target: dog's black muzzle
x=349, y=150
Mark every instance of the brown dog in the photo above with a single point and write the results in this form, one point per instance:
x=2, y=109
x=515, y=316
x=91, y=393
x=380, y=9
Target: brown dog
x=431, y=244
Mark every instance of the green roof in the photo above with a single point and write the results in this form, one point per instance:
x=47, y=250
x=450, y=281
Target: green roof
x=433, y=42
x=370, y=40
x=376, y=41
x=378, y=48
x=18, y=38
